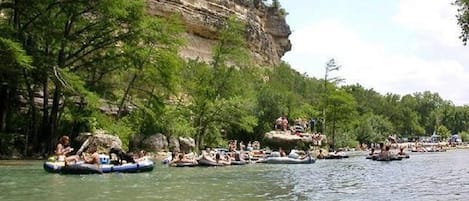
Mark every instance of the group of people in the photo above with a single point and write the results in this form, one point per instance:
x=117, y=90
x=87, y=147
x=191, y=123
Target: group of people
x=63, y=150
x=300, y=125
x=91, y=156
x=233, y=146
x=281, y=123
x=181, y=158
x=217, y=157
x=385, y=152
x=295, y=154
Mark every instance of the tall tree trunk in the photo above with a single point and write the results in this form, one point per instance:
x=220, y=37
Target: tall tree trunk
x=333, y=129
x=45, y=135
x=77, y=125
x=127, y=91
x=32, y=124
x=3, y=105
x=203, y=127
x=54, y=115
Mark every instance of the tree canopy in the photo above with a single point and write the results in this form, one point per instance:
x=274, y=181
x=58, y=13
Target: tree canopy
x=75, y=66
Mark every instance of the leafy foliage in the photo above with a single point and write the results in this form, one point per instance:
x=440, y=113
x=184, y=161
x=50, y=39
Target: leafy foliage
x=72, y=66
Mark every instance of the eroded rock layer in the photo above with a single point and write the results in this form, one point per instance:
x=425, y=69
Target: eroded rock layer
x=267, y=31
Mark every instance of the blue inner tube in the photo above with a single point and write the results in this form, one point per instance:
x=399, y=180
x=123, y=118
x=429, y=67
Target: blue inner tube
x=81, y=169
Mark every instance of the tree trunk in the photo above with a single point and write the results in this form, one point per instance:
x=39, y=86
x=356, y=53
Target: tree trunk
x=45, y=135
x=32, y=124
x=127, y=91
x=333, y=129
x=3, y=105
x=54, y=114
x=77, y=125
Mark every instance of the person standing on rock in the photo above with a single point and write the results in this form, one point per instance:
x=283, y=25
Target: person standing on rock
x=312, y=122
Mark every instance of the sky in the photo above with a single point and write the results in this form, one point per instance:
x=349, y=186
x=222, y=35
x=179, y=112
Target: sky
x=393, y=46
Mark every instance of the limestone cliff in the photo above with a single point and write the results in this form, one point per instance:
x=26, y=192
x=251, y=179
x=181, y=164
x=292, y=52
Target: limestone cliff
x=267, y=31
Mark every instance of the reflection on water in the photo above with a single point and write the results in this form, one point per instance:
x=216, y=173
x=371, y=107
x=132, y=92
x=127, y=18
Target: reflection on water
x=425, y=176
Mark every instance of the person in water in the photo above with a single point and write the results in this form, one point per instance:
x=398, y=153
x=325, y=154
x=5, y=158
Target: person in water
x=63, y=149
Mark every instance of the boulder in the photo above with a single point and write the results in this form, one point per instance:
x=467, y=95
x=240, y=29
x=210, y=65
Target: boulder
x=187, y=144
x=174, y=144
x=287, y=140
x=135, y=142
x=155, y=143
x=102, y=139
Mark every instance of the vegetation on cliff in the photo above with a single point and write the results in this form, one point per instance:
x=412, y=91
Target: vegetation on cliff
x=73, y=66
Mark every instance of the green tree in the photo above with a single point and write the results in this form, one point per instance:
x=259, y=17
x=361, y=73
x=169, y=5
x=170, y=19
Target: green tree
x=216, y=90
x=151, y=62
x=373, y=128
x=331, y=66
x=463, y=19
x=341, y=110
x=67, y=39
x=444, y=132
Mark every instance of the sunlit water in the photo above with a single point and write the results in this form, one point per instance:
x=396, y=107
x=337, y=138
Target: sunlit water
x=425, y=176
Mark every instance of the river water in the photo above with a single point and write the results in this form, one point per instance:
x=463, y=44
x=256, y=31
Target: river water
x=425, y=176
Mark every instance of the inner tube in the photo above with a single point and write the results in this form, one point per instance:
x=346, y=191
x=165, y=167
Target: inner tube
x=286, y=160
x=81, y=169
x=374, y=157
x=392, y=158
x=335, y=156
x=205, y=162
x=184, y=164
x=238, y=162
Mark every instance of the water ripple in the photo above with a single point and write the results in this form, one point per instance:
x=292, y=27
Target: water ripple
x=429, y=176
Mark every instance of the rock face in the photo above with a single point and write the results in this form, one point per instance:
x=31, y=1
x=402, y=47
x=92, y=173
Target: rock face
x=174, y=144
x=187, y=144
x=287, y=141
x=103, y=140
x=155, y=143
x=159, y=142
x=267, y=31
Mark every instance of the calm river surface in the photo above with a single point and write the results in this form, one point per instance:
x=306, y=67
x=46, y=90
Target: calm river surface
x=425, y=176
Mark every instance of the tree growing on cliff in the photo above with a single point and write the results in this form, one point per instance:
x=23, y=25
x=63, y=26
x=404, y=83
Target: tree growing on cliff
x=217, y=91
x=150, y=64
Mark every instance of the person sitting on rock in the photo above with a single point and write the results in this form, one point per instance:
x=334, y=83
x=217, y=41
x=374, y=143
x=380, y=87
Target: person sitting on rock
x=278, y=123
x=284, y=123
